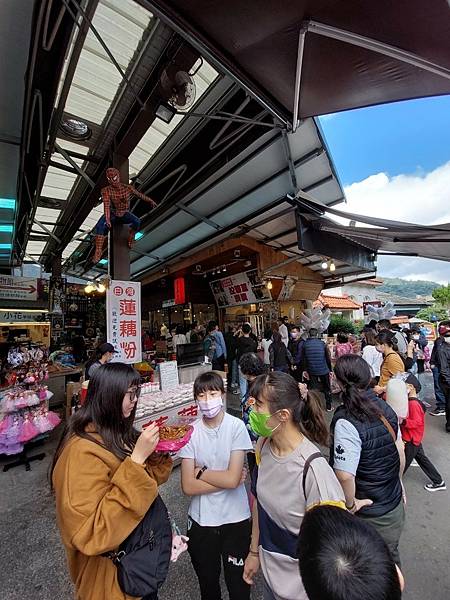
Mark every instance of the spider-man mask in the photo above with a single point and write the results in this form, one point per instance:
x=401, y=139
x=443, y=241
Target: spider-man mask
x=113, y=176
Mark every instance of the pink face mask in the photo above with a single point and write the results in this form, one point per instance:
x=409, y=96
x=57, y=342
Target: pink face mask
x=211, y=408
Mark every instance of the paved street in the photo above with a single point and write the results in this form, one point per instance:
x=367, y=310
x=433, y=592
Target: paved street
x=32, y=565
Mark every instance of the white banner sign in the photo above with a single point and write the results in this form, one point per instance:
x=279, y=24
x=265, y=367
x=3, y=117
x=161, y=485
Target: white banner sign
x=18, y=288
x=242, y=288
x=123, y=308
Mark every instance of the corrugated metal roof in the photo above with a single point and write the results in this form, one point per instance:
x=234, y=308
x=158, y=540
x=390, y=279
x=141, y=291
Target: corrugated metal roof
x=121, y=24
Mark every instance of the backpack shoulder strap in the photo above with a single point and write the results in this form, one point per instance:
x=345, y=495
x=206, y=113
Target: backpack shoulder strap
x=308, y=462
x=388, y=427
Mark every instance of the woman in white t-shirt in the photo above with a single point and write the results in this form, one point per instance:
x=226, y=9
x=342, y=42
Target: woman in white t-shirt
x=213, y=474
x=371, y=355
x=265, y=345
x=292, y=476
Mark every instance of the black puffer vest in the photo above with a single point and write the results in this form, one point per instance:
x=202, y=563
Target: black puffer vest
x=377, y=476
x=314, y=351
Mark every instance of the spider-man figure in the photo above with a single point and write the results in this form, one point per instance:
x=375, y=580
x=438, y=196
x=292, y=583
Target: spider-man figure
x=119, y=194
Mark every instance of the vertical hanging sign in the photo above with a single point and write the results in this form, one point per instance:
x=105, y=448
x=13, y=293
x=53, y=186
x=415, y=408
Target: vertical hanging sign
x=123, y=308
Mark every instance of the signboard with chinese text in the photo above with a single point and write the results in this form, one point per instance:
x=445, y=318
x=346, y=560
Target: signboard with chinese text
x=242, y=288
x=18, y=288
x=188, y=409
x=13, y=316
x=123, y=317
x=168, y=375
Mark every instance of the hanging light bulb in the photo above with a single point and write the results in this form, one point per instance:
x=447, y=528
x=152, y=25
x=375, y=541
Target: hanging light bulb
x=101, y=288
x=89, y=288
x=332, y=266
x=324, y=265
x=269, y=285
x=224, y=270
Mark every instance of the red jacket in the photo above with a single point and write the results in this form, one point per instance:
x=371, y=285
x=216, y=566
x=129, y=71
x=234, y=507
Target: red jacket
x=413, y=427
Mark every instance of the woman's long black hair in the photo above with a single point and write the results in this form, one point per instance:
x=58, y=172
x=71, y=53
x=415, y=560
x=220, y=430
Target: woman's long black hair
x=103, y=409
x=282, y=392
x=354, y=377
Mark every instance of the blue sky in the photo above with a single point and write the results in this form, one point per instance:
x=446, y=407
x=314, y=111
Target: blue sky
x=402, y=137
x=395, y=159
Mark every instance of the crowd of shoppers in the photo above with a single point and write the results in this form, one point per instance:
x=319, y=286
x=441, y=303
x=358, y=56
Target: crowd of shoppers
x=307, y=522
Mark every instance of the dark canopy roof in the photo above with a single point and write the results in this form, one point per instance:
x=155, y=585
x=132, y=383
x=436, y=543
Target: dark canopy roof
x=380, y=235
x=258, y=41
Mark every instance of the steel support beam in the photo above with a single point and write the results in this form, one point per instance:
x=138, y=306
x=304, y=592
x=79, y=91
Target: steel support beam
x=77, y=168
x=298, y=76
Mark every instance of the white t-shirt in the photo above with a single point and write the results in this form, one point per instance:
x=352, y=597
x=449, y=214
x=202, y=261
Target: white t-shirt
x=265, y=344
x=213, y=448
x=373, y=358
x=283, y=331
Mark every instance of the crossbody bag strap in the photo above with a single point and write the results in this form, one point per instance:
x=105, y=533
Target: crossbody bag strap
x=388, y=427
x=308, y=462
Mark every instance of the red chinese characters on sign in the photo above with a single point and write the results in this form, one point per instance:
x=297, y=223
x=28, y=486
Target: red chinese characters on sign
x=128, y=307
x=130, y=291
x=127, y=329
x=129, y=349
x=189, y=411
x=159, y=422
x=118, y=291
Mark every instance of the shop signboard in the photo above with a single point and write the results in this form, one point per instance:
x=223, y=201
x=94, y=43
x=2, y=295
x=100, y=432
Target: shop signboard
x=18, y=288
x=242, y=288
x=123, y=318
x=168, y=375
x=17, y=316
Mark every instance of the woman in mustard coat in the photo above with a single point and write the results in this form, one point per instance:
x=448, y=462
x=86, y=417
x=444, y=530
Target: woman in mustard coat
x=105, y=478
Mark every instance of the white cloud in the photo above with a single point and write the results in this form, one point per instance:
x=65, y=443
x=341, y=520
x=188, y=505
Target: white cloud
x=422, y=198
x=416, y=198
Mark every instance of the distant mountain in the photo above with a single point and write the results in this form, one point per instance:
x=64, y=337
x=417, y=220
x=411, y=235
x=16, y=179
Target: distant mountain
x=407, y=289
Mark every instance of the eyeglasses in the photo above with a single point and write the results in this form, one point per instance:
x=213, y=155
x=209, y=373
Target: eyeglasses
x=134, y=392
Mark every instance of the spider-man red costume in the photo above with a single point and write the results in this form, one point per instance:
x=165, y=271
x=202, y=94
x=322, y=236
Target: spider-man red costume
x=116, y=202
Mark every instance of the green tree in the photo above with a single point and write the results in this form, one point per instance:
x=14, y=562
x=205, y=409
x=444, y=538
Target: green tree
x=431, y=313
x=340, y=324
x=442, y=295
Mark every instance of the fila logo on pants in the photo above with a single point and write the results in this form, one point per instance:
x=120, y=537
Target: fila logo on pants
x=234, y=561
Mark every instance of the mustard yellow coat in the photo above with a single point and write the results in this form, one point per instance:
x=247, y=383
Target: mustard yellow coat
x=99, y=501
x=392, y=364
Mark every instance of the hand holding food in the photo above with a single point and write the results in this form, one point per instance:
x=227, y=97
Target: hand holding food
x=146, y=444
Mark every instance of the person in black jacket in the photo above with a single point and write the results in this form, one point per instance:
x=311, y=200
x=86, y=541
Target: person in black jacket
x=367, y=452
x=279, y=356
x=439, y=411
x=443, y=364
x=317, y=364
x=245, y=343
x=230, y=343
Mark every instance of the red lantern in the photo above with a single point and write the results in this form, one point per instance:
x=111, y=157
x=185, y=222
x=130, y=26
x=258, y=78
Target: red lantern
x=180, y=290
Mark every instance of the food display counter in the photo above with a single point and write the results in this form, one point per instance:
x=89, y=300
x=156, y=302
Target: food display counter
x=161, y=406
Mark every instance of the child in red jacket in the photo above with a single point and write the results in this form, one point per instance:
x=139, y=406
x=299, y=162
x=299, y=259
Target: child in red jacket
x=412, y=429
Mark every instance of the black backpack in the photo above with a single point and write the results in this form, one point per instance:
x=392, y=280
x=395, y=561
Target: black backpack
x=143, y=558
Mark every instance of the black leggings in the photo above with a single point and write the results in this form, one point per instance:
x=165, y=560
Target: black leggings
x=209, y=547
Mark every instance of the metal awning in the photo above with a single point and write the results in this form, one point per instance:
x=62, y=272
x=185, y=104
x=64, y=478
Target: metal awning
x=382, y=236
x=308, y=58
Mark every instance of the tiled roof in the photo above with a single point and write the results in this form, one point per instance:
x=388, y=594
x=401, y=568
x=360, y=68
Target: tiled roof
x=337, y=302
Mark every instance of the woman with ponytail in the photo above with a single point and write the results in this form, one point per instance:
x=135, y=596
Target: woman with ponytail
x=291, y=477
x=392, y=363
x=366, y=452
